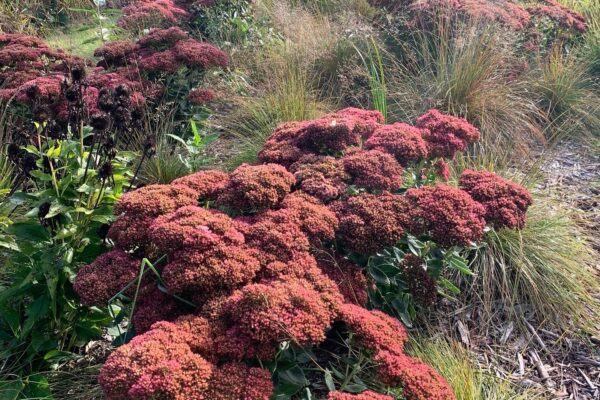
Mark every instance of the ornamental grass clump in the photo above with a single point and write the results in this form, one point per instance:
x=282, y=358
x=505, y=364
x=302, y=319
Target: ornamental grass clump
x=283, y=256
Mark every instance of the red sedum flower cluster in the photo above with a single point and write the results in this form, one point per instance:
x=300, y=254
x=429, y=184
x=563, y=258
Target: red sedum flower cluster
x=264, y=252
x=505, y=202
x=366, y=395
x=143, y=13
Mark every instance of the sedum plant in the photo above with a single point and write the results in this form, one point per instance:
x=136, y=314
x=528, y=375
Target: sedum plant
x=284, y=278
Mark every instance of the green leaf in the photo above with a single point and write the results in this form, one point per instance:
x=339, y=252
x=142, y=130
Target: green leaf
x=460, y=264
x=10, y=390
x=354, y=388
x=57, y=356
x=329, y=381
x=29, y=231
x=37, y=388
x=294, y=375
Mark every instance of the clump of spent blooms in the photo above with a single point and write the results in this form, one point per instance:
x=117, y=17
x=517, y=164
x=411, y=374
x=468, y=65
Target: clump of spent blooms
x=419, y=381
x=261, y=316
x=350, y=279
x=162, y=61
x=193, y=227
x=564, y=17
x=447, y=214
x=330, y=133
x=276, y=241
x=200, y=55
x=237, y=381
x=254, y=188
x=370, y=222
x=130, y=232
x=201, y=96
x=315, y=219
x=445, y=134
x=197, y=333
x=374, y=329
x=156, y=364
x=207, y=184
x=153, y=306
x=386, y=337
x=162, y=39
x=421, y=285
x=403, y=141
x=373, y=170
x=116, y=53
x=216, y=269
x=366, y=395
x=323, y=177
x=366, y=121
x=99, y=281
x=154, y=200
x=282, y=146
x=144, y=13
x=505, y=202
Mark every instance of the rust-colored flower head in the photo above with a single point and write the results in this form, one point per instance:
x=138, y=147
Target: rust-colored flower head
x=155, y=200
x=505, y=202
x=348, y=276
x=261, y=316
x=316, y=221
x=447, y=214
x=219, y=269
x=99, y=281
x=323, y=177
x=237, y=381
x=403, y=141
x=445, y=134
x=157, y=364
x=366, y=395
x=373, y=170
x=421, y=285
x=193, y=227
x=370, y=222
x=253, y=188
x=207, y=184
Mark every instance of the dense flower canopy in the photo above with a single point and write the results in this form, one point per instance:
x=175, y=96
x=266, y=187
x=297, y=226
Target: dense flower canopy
x=266, y=254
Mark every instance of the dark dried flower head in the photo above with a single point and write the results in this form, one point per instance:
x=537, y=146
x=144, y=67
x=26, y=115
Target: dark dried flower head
x=105, y=171
x=99, y=121
x=421, y=285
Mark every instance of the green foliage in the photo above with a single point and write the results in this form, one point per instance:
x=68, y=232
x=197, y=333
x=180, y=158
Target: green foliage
x=227, y=21
x=82, y=39
x=373, y=62
x=57, y=223
x=307, y=374
x=392, y=294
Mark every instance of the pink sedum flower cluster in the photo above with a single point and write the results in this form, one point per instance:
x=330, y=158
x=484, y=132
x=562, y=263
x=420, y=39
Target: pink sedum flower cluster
x=253, y=250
